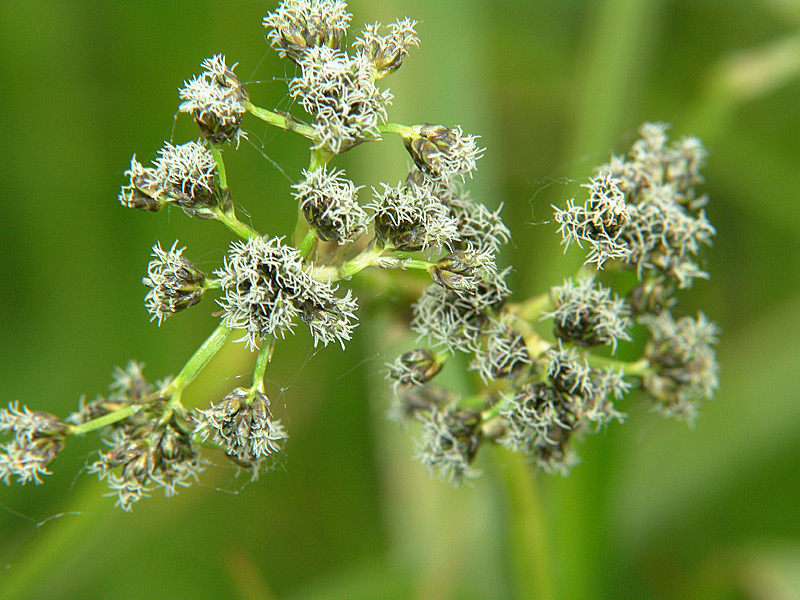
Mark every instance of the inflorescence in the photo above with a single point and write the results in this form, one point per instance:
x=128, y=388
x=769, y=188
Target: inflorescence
x=546, y=371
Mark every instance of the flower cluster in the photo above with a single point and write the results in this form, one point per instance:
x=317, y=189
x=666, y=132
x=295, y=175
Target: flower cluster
x=296, y=27
x=339, y=92
x=329, y=203
x=589, y=314
x=242, y=425
x=174, y=282
x=644, y=212
x=38, y=437
x=152, y=448
x=266, y=287
x=185, y=175
x=543, y=390
x=537, y=388
x=386, y=52
x=217, y=100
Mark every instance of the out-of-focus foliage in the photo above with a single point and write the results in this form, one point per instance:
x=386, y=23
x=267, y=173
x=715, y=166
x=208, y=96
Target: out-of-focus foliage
x=655, y=510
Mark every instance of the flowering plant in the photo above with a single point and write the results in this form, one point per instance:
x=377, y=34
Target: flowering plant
x=545, y=364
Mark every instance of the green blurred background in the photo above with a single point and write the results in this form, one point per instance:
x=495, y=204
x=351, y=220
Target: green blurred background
x=656, y=509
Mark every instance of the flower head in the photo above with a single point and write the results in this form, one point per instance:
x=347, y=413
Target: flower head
x=683, y=362
x=266, y=288
x=242, y=425
x=386, y=53
x=449, y=442
x=339, y=92
x=174, y=282
x=144, y=190
x=409, y=218
x=598, y=222
x=442, y=152
x=329, y=202
x=147, y=456
x=296, y=26
x=38, y=437
x=217, y=101
x=588, y=314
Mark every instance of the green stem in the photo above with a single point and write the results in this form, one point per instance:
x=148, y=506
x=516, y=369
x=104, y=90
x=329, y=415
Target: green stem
x=307, y=243
x=403, y=130
x=228, y=218
x=198, y=361
x=351, y=267
x=639, y=368
x=531, y=562
x=216, y=151
x=319, y=158
x=105, y=420
x=415, y=263
x=278, y=120
x=262, y=360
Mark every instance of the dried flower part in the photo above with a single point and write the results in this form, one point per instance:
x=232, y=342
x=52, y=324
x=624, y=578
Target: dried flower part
x=443, y=153
x=409, y=218
x=299, y=25
x=217, y=101
x=415, y=367
x=462, y=271
x=144, y=190
x=174, y=282
x=683, y=363
x=37, y=439
x=588, y=314
x=598, y=222
x=503, y=354
x=386, y=53
x=329, y=203
x=266, y=288
x=449, y=442
x=454, y=321
x=339, y=92
x=145, y=457
x=243, y=427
